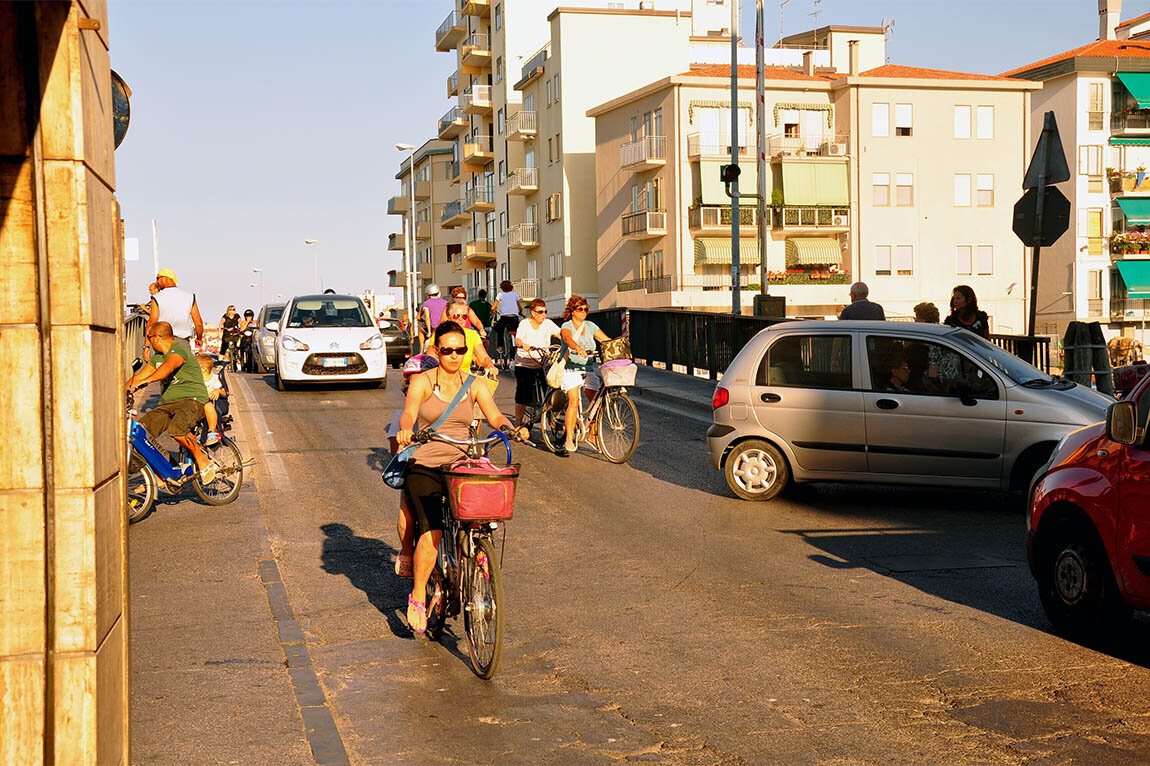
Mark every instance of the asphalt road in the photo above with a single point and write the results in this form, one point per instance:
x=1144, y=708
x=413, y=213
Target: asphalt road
x=651, y=616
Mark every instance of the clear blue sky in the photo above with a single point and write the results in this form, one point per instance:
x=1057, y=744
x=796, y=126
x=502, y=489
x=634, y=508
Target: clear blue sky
x=256, y=125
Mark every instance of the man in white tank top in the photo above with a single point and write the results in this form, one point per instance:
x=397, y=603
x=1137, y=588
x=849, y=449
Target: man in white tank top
x=176, y=307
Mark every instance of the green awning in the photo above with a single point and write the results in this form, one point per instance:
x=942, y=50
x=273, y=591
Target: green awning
x=1123, y=141
x=1138, y=83
x=1136, y=210
x=813, y=251
x=715, y=251
x=815, y=183
x=1136, y=275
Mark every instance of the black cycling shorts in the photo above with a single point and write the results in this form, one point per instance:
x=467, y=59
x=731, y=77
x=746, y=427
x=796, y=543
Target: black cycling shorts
x=426, y=494
x=525, y=381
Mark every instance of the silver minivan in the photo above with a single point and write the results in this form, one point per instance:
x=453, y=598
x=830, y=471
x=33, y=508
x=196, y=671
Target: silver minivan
x=888, y=402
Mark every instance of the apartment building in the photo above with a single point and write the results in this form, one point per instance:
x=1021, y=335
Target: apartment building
x=522, y=144
x=1100, y=95
x=872, y=177
x=422, y=207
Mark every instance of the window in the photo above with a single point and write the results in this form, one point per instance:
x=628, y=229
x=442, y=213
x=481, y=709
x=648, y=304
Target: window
x=904, y=260
x=963, y=260
x=807, y=361
x=904, y=189
x=971, y=260
x=882, y=260
x=550, y=152
x=903, y=119
x=558, y=151
x=554, y=207
x=498, y=69
x=1090, y=160
x=500, y=121
x=962, y=190
x=986, y=122
x=502, y=172
x=634, y=128
x=555, y=88
x=880, y=120
x=498, y=17
x=984, y=260
x=634, y=198
x=894, y=260
x=549, y=93
x=962, y=121
x=502, y=223
x=1097, y=106
x=881, y=184
x=986, y=190
x=659, y=121
x=1094, y=231
x=923, y=367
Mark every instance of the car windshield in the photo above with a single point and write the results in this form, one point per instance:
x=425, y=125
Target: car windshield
x=1003, y=361
x=328, y=312
x=274, y=313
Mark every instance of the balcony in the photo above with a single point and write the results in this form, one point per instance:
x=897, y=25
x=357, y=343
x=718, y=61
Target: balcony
x=718, y=218
x=645, y=224
x=452, y=124
x=450, y=32
x=1133, y=121
x=716, y=145
x=479, y=199
x=422, y=231
x=396, y=242
x=813, y=145
x=477, y=153
x=423, y=190
x=480, y=8
x=665, y=283
x=454, y=174
x=453, y=85
x=453, y=215
x=475, y=54
x=529, y=289
x=644, y=154
x=521, y=126
x=476, y=100
x=819, y=217
x=477, y=254
x=532, y=69
x=523, y=236
x=1134, y=183
x=523, y=181
x=398, y=205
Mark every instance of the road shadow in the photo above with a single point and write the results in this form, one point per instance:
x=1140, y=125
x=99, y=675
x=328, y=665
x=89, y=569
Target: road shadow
x=369, y=565
x=964, y=546
x=269, y=380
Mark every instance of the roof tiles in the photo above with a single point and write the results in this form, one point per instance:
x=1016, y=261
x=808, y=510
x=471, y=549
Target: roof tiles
x=1099, y=49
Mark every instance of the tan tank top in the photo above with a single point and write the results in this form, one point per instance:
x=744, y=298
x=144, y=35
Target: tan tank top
x=436, y=454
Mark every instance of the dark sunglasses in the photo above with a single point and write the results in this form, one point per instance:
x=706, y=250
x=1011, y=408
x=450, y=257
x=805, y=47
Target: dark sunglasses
x=452, y=350
x=582, y=308
x=538, y=311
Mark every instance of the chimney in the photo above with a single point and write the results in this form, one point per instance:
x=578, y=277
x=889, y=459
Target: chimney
x=809, y=63
x=853, y=47
x=1109, y=16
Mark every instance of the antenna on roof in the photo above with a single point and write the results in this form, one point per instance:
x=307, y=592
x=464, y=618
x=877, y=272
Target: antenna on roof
x=887, y=33
x=815, y=13
x=781, y=4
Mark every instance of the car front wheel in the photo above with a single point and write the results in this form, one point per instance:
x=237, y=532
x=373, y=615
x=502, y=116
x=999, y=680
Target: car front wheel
x=1077, y=587
x=756, y=470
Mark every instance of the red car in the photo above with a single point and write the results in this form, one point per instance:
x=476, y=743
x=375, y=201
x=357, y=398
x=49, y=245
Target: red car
x=1088, y=536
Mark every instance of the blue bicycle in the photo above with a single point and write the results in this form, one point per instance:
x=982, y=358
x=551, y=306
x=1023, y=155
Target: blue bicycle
x=149, y=469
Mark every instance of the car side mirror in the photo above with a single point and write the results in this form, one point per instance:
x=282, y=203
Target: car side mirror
x=1122, y=423
x=964, y=391
x=272, y=327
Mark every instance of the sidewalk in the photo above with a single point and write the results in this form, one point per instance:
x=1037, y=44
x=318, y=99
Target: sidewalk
x=675, y=389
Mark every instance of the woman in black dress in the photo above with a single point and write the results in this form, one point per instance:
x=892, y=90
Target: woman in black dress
x=964, y=312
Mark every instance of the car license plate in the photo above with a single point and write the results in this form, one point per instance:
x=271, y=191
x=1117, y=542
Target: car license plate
x=337, y=362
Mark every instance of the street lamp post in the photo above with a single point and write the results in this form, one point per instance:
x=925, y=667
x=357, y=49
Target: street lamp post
x=261, y=285
x=316, y=252
x=409, y=251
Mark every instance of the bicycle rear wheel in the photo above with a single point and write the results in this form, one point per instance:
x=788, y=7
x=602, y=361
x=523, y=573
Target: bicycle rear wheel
x=483, y=609
x=553, y=426
x=225, y=488
x=436, y=603
x=140, y=497
x=618, y=427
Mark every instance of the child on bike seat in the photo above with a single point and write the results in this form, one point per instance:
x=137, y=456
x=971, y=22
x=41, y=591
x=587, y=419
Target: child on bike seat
x=217, y=405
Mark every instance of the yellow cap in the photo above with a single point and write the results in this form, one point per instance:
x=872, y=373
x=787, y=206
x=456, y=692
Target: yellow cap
x=167, y=273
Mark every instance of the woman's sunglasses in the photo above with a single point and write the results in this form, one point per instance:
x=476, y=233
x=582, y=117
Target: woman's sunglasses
x=452, y=350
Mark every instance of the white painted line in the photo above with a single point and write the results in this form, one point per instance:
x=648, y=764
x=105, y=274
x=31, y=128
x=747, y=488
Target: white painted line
x=644, y=401
x=272, y=461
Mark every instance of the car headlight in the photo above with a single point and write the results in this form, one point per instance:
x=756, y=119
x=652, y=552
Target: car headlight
x=375, y=341
x=291, y=344
x=268, y=340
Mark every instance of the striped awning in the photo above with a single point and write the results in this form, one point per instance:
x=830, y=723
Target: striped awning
x=1136, y=210
x=1138, y=83
x=713, y=251
x=1129, y=141
x=813, y=251
x=1136, y=275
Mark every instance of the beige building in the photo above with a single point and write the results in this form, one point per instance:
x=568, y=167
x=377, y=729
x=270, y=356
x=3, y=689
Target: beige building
x=871, y=178
x=1100, y=95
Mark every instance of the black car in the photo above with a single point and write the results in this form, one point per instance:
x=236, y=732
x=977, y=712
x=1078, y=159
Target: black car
x=397, y=340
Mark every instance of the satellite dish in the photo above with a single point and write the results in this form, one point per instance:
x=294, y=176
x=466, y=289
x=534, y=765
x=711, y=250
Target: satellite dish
x=121, y=110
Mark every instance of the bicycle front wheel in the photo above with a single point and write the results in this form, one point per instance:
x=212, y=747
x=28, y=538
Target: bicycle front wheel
x=483, y=609
x=140, y=496
x=618, y=427
x=225, y=488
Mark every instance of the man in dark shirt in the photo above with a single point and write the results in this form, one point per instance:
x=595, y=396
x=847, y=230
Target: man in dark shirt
x=860, y=307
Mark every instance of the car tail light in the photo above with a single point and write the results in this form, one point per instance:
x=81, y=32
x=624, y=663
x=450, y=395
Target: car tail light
x=721, y=397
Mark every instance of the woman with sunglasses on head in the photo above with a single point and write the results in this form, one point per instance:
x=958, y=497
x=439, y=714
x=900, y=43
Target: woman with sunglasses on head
x=580, y=335
x=471, y=320
x=476, y=355
x=536, y=332
x=429, y=394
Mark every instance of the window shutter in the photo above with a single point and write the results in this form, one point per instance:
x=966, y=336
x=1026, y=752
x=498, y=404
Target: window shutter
x=880, y=120
x=962, y=260
x=962, y=122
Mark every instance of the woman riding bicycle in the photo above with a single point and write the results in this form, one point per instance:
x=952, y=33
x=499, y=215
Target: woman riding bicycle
x=427, y=398
x=580, y=336
x=507, y=306
x=470, y=320
x=476, y=356
x=536, y=332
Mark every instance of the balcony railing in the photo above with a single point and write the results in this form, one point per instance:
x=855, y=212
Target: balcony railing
x=453, y=84
x=450, y=32
x=1129, y=182
x=645, y=223
x=521, y=125
x=811, y=217
x=398, y=205
x=649, y=151
x=476, y=99
x=1138, y=119
x=422, y=230
x=532, y=69
x=816, y=145
x=476, y=51
x=479, y=199
x=396, y=242
x=523, y=181
x=529, y=289
x=453, y=174
x=422, y=190
x=1122, y=307
x=665, y=283
x=452, y=124
x=523, y=236
x=717, y=144
x=480, y=250
x=480, y=8
x=719, y=216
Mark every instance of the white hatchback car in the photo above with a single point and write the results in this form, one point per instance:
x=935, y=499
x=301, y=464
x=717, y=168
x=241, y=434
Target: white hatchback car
x=327, y=339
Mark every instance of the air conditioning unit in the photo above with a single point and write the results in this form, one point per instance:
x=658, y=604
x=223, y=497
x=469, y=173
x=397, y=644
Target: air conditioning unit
x=841, y=219
x=833, y=150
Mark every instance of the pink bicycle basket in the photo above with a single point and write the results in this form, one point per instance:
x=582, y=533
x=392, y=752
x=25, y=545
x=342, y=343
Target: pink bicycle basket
x=479, y=490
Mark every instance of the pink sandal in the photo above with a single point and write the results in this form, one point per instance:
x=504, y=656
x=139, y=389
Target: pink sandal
x=416, y=615
x=404, y=566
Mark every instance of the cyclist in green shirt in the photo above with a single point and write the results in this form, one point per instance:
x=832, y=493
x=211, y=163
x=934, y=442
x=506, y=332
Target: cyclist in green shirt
x=182, y=402
x=482, y=311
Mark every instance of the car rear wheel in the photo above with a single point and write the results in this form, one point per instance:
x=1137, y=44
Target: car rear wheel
x=1077, y=587
x=756, y=470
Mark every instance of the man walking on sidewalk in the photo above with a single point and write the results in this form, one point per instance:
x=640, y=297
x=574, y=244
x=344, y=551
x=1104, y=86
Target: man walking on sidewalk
x=860, y=307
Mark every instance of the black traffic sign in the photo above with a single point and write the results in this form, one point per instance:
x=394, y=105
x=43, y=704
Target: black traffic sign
x=1048, y=156
x=1055, y=217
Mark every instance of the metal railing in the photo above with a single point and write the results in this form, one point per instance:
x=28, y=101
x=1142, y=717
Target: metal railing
x=645, y=221
x=476, y=41
x=811, y=217
x=475, y=144
x=1129, y=182
x=479, y=95
x=452, y=83
x=446, y=120
x=718, y=216
x=524, y=178
x=646, y=149
x=134, y=324
x=451, y=210
x=479, y=195
x=480, y=248
x=522, y=122
x=1135, y=120
x=718, y=144
x=532, y=68
x=818, y=145
x=529, y=289
x=448, y=24
x=1034, y=351
x=523, y=235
